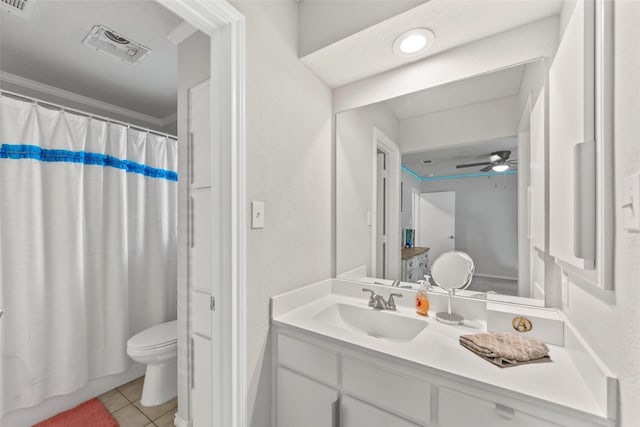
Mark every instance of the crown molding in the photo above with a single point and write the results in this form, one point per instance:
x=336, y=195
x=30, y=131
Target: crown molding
x=171, y=118
x=81, y=99
x=180, y=33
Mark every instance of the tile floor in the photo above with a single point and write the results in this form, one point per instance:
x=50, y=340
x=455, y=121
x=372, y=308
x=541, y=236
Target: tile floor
x=124, y=404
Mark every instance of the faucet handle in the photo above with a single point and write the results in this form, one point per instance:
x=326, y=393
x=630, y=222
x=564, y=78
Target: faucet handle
x=391, y=304
x=372, y=300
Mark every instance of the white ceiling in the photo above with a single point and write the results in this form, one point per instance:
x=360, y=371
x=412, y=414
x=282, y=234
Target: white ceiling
x=444, y=161
x=454, y=22
x=477, y=89
x=48, y=48
x=474, y=90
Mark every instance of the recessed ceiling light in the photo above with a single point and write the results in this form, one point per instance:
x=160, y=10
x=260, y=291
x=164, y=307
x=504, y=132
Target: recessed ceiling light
x=413, y=42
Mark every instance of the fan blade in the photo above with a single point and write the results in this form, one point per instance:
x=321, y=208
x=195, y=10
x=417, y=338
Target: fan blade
x=472, y=165
x=487, y=168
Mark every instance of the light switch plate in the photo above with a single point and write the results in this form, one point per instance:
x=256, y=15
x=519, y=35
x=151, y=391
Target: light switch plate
x=257, y=215
x=631, y=203
x=369, y=218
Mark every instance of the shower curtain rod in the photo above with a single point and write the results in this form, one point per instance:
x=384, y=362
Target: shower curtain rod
x=84, y=113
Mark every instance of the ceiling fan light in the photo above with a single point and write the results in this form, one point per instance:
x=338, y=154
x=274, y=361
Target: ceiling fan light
x=500, y=168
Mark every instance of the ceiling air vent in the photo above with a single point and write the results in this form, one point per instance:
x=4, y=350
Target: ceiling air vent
x=22, y=8
x=106, y=40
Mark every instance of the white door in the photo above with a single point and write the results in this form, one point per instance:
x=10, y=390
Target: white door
x=437, y=222
x=200, y=247
x=302, y=402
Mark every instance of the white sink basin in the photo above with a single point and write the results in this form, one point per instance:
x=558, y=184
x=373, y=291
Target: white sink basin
x=376, y=323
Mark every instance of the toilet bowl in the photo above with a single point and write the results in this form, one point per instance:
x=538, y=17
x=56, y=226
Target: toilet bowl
x=157, y=347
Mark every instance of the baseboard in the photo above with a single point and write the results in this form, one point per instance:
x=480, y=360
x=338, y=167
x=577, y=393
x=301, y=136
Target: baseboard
x=493, y=276
x=181, y=422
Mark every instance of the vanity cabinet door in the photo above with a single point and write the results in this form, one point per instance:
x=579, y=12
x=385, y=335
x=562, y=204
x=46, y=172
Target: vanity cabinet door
x=354, y=413
x=302, y=402
x=459, y=409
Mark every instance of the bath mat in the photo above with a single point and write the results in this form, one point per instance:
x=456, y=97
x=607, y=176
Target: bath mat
x=91, y=413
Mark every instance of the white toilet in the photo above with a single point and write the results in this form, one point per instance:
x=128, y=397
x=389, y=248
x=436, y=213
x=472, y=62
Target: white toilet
x=157, y=347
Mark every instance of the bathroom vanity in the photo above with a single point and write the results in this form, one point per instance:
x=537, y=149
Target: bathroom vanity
x=415, y=263
x=339, y=363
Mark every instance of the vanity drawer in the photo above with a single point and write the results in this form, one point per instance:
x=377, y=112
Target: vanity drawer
x=484, y=413
x=386, y=389
x=308, y=359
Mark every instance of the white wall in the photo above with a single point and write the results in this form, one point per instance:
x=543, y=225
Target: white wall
x=532, y=83
x=289, y=167
x=354, y=177
x=409, y=185
x=610, y=324
x=486, y=221
x=471, y=123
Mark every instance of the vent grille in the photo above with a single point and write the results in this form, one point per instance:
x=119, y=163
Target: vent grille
x=108, y=41
x=20, y=8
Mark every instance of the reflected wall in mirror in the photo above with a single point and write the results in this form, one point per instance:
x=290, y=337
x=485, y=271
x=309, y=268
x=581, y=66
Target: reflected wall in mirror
x=469, y=151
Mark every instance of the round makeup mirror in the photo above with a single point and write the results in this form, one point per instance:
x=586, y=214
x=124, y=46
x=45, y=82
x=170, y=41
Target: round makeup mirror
x=452, y=270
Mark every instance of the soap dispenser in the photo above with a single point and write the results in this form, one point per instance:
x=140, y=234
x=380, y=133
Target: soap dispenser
x=422, y=299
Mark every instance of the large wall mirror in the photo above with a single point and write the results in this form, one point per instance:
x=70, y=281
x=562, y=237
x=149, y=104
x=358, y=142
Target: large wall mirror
x=465, y=164
x=441, y=169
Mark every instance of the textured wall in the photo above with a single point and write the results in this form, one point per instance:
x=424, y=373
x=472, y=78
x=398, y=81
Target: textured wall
x=486, y=221
x=289, y=167
x=354, y=181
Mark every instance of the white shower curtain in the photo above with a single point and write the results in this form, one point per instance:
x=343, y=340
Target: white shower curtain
x=87, y=247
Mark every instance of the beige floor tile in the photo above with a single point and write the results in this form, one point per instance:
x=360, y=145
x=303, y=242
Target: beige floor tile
x=150, y=425
x=130, y=416
x=155, y=412
x=113, y=400
x=132, y=390
x=166, y=420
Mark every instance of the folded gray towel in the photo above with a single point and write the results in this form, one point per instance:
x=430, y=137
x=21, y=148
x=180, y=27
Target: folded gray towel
x=506, y=349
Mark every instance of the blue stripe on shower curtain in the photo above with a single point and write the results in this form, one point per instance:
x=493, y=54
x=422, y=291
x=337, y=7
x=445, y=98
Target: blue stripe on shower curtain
x=8, y=151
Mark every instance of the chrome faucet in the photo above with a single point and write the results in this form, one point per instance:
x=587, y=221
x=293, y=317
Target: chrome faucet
x=377, y=302
x=391, y=304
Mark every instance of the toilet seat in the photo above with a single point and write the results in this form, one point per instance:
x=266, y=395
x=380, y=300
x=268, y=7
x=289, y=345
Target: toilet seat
x=160, y=337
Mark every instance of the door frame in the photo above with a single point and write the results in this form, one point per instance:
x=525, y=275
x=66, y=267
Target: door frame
x=225, y=27
x=382, y=142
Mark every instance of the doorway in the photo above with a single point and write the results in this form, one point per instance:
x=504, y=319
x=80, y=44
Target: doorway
x=437, y=219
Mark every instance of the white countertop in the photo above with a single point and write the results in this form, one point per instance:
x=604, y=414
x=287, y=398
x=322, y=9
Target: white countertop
x=437, y=349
